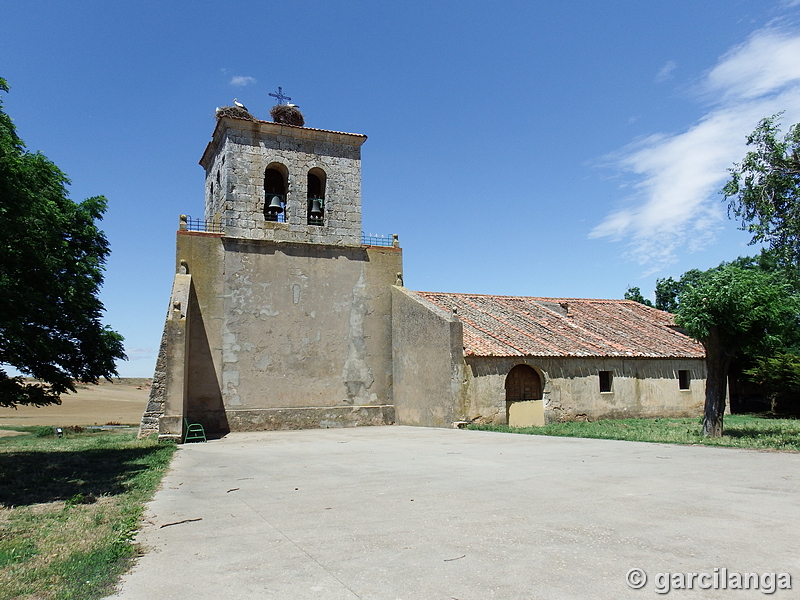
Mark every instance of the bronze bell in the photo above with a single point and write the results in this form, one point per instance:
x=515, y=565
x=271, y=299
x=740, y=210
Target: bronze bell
x=316, y=208
x=275, y=205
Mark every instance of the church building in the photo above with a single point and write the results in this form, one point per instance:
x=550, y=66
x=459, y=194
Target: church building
x=284, y=315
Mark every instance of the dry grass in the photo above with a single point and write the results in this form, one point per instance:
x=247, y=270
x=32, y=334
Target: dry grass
x=120, y=400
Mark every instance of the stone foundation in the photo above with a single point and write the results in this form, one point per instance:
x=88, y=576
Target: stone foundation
x=323, y=417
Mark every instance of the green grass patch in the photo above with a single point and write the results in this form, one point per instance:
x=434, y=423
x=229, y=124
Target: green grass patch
x=740, y=431
x=69, y=508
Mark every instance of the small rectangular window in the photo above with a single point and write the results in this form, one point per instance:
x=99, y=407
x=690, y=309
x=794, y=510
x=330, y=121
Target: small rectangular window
x=684, y=379
x=605, y=380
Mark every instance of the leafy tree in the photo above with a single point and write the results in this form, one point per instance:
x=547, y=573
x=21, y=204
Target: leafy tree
x=764, y=189
x=635, y=294
x=667, y=294
x=731, y=309
x=51, y=268
x=780, y=375
x=668, y=289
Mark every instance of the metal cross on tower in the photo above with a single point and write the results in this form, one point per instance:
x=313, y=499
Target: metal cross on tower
x=280, y=97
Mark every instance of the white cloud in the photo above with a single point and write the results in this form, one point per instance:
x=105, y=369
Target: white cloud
x=676, y=178
x=767, y=63
x=666, y=71
x=241, y=81
x=140, y=353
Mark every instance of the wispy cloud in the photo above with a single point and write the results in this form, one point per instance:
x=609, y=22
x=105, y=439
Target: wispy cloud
x=675, y=178
x=140, y=353
x=241, y=81
x=666, y=71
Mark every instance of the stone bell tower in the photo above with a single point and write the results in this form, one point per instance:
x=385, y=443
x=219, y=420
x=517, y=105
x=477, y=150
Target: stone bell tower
x=280, y=182
x=280, y=317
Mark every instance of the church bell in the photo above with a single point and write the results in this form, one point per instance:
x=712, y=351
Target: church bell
x=316, y=208
x=275, y=205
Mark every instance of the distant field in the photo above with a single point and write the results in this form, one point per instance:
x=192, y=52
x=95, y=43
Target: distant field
x=121, y=401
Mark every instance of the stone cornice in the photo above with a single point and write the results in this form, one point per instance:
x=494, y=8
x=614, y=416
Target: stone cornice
x=276, y=129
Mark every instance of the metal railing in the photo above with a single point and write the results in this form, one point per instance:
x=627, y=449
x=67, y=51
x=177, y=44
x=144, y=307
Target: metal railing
x=187, y=223
x=371, y=239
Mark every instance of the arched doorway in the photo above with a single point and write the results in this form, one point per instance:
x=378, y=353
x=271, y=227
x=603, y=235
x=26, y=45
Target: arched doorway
x=524, y=404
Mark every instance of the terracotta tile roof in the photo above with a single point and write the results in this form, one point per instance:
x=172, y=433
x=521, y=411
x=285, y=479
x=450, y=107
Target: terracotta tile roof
x=524, y=326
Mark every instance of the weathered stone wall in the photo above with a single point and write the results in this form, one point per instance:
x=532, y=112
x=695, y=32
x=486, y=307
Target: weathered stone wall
x=237, y=158
x=218, y=183
x=202, y=255
x=427, y=361
x=571, y=388
x=167, y=403
x=282, y=335
x=305, y=326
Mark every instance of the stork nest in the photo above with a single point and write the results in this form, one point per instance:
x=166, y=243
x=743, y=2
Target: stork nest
x=287, y=115
x=235, y=112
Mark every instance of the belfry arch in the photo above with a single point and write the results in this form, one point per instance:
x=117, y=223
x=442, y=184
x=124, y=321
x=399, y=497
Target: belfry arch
x=315, y=210
x=275, y=180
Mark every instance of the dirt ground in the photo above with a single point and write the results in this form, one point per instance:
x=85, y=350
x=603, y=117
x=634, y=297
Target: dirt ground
x=122, y=401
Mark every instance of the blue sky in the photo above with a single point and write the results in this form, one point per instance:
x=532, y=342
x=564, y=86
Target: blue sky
x=551, y=148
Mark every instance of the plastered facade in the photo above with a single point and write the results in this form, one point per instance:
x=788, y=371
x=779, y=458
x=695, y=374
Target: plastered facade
x=571, y=388
x=305, y=327
x=428, y=364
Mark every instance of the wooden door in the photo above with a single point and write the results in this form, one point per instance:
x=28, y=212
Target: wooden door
x=523, y=383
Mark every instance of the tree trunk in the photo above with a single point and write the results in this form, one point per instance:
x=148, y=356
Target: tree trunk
x=717, y=364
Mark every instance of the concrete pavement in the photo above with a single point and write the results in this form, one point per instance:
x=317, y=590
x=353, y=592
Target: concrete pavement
x=418, y=513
